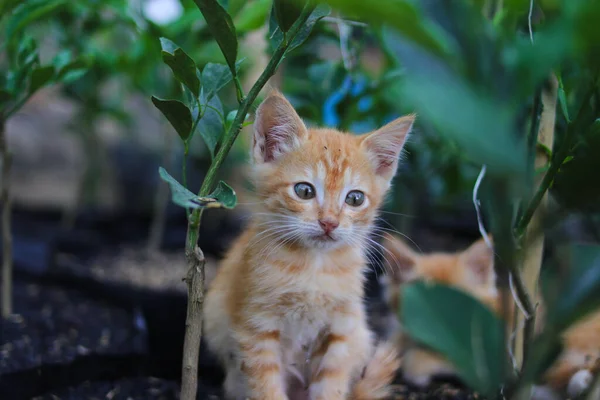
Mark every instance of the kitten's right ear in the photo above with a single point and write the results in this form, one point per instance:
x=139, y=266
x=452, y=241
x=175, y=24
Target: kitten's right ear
x=401, y=257
x=277, y=129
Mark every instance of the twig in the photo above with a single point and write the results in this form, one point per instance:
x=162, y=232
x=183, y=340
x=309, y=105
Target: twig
x=6, y=231
x=195, y=260
x=529, y=20
x=477, y=205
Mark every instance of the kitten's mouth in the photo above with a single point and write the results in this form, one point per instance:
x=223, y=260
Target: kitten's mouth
x=326, y=237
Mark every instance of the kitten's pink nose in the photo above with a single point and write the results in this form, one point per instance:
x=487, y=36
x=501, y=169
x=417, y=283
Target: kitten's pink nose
x=328, y=224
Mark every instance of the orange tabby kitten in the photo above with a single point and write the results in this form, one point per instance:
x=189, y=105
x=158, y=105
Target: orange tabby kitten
x=285, y=313
x=472, y=270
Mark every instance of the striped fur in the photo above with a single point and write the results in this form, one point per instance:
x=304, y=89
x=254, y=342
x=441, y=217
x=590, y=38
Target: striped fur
x=285, y=312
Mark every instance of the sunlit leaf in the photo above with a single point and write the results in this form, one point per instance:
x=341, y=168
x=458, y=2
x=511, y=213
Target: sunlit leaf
x=222, y=29
x=178, y=115
x=222, y=197
x=182, y=65
x=471, y=339
x=40, y=77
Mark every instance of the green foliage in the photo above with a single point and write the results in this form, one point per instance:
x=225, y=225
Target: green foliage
x=222, y=29
x=211, y=126
x=214, y=77
x=458, y=326
x=222, y=197
x=276, y=33
x=178, y=114
x=182, y=65
x=286, y=12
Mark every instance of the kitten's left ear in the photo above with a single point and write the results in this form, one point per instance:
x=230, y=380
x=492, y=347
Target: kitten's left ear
x=479, y=261
x=385, y=144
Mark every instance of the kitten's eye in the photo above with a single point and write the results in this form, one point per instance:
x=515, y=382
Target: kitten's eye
x=355, y=198
x=304, y=190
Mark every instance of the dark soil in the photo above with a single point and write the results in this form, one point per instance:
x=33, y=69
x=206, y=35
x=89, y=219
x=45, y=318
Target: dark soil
x=98, y=318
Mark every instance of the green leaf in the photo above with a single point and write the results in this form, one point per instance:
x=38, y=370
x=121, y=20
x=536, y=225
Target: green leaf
x=211, y=126
x=403, y=15
x=581, y=294
x=222, y=197
x=214, y=78
x=286, y=12
x=179, y=194
x=178, y=115
x=40, y=77
x=574, y=185
x=562, y=99
x=222, y=29
x=252, y=16
x=182, y=65
x=471, y=339
x=481, y=125
x=28, y=12
x=276, y=34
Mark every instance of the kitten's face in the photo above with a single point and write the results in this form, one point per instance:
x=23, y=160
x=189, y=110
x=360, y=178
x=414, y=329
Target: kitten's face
x=470, y=270
x=321, y=188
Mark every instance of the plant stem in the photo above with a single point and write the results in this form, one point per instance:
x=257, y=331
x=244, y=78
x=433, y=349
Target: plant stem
x=6, y=231
x=194, y=256
x=558, y=158
x=533, y=243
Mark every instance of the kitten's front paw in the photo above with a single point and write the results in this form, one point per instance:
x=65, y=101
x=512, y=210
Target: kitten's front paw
x=579, y=383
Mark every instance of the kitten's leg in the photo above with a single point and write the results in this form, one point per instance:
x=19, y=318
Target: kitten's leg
x=260, y=356
x=343, y=352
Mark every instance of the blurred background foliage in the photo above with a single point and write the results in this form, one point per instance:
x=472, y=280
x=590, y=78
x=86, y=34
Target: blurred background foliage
x=474, y=71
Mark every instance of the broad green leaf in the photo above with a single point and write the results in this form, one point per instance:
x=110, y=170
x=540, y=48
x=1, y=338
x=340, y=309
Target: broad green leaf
x=178, y=115
x=222, y=197
x=471, y=339
x=286, y=12
x=481, y=125
x=182, y=65
x=581, y=294
x=179, y=194
x=222, y=29
x=40, y=77
x=214, y=78
x=211, y=126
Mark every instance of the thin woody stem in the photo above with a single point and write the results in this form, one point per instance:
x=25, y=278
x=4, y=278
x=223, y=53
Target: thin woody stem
x=194, y=256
